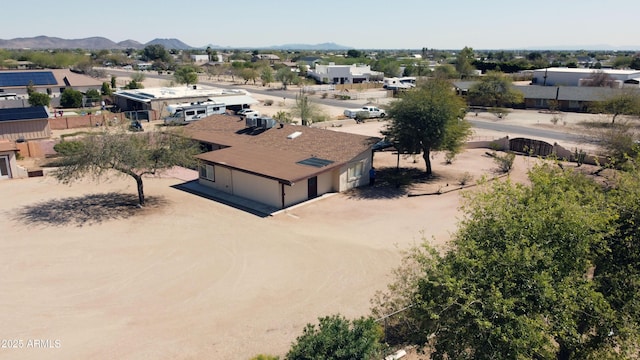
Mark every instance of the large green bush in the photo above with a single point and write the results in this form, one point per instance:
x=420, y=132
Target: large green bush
x=39, y=99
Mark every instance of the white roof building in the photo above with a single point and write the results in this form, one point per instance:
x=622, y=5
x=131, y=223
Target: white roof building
x=159, y=98
x=556, y=76
x=343, y=74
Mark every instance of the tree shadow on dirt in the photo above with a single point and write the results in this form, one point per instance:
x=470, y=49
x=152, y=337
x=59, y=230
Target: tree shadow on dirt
x=85, y=210
x=392, y=182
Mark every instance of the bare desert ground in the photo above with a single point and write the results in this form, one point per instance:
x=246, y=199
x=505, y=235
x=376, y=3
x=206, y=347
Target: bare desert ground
x=90, y=276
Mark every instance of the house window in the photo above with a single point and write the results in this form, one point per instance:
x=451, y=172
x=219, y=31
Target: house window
x=206, y=172
x=355, y=171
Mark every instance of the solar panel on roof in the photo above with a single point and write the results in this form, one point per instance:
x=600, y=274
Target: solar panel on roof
x=315, y=162
x=28, y=113
x=25, y=78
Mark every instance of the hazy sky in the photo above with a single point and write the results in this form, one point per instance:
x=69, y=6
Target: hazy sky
x=378, y=24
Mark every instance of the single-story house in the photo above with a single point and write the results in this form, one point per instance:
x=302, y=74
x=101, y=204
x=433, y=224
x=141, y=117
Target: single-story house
x=343, y=74
x=49, y=81
x=157, y=99
x=557, y=76
x=21, y=124
x=566, y=98
x=277, y=164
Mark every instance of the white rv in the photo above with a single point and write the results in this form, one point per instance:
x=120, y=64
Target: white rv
x=193, y=112
x=396, y=83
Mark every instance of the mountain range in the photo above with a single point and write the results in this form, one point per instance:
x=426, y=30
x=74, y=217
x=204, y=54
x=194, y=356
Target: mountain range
x=99, y=43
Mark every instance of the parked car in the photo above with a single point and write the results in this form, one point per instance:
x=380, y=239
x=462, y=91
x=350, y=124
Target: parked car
x=245, y=111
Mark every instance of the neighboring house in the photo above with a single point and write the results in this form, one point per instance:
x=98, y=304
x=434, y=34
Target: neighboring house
x=310, y=61
x=157, y=99
x=51, y=81
x=566, y=98
x=21, y=124
x=343, y=74
x=8, y=166
x=271, y=58
x=279, y=165
x=199, y=58
x=556, y=76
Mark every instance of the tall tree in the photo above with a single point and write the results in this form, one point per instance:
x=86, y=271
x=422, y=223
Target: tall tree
x=337, y=338
x=428, y=118
x=518, y=280
x=464, y=62
x=155, y=52
x=285, y=76
x=266, y=75
x=249, y=74
x=129, y=154
x=186, y=75
x=39, y=99
x=495, y=90
x=305, y=109
x=71, y=98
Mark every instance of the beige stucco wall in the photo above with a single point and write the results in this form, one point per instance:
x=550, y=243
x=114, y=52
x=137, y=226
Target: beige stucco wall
x=13, y=165
x=344, y=184
x=27, y=129
x=257, y=188
x=269, y=192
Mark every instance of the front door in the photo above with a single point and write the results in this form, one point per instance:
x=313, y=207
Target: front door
x=312, y=185
x=5, y=172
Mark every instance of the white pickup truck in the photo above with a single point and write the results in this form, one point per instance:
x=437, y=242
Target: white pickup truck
x=371, y=112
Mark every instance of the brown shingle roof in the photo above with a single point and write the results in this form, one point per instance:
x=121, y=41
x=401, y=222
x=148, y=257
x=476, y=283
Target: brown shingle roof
x=270, y=153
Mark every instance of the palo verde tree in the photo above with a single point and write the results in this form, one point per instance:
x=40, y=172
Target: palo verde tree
x=266, y=75
x=494, y=90
x=428, y=118
x=285, y=76
x=186, y=75
x=542, y=271
x=339, y=339
x=625, y=103
x=120, y=152
x=305, y=109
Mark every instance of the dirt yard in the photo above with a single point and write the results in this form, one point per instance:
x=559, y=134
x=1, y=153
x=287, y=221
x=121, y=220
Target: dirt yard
x=88, y=275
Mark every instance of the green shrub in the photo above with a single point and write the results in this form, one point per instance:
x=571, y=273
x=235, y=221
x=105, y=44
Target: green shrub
x=68, y=147
x=505, y=162
x=71, y=98
x=465, y=178
x=283, y=117
x=39, y=99
x=265, y=357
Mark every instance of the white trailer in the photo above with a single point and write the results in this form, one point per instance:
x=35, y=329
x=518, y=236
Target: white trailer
x=185, y=114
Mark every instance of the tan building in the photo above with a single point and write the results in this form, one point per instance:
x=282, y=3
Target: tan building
x=279, y=165
x=21, y=124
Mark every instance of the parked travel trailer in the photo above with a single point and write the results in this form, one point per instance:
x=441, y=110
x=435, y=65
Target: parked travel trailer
x=397, y=83
x=186, y=114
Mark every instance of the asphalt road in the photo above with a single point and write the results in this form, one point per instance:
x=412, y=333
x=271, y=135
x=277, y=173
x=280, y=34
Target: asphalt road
x=528, y=131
